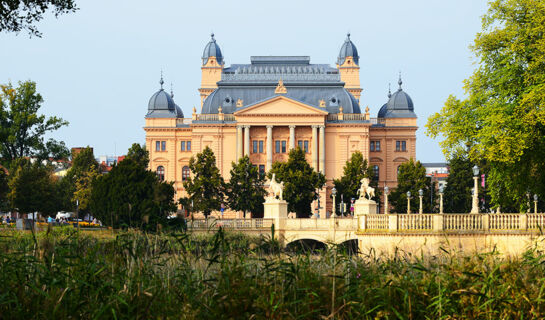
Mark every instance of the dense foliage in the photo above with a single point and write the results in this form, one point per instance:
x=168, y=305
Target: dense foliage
x=139, y=154
x=131, y=196
x=502, y=120
x=245, y=190
x=301, y=182
x=411, y=177
x=205, y=187
x=18, y=15
x=65, y=274
x=354, y=170
x=458, y=196
x=23, y=130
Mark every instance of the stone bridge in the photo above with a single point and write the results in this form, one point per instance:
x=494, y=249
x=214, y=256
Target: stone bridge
x=509, y=234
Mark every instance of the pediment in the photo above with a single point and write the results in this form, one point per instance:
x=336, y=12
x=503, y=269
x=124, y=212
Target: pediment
x=280, y=105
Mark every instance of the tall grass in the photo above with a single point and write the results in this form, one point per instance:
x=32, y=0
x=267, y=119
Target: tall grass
x=62, y=274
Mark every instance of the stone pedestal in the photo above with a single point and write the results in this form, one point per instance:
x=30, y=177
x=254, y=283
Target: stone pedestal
x=275, y=208
x=365, y=206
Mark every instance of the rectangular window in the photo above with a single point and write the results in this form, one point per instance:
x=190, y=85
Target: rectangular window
x=157, y=145
x=372, y=146
x=262, y=169
x=277, y=146
x=260, y=146
x=163, y=145
x=305, y=143
x=401, y=145
x=254, y=147
x=283, y=146
x=377, y=145
x=188, y=146
x=300, y=144
x=182, y=148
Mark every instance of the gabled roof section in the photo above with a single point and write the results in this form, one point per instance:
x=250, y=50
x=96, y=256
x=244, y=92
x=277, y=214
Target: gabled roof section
x=280, y=105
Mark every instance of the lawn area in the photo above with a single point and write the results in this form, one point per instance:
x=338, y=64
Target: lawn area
x=63, y=273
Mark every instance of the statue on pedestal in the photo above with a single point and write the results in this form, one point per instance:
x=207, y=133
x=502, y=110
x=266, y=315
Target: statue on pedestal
x=365, y=191
x=275, y=189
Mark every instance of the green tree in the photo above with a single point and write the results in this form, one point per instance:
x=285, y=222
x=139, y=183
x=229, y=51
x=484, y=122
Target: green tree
x=301, y=182
x=18, y=15
x=139, y=154
x=32, y=188
x=457, y=195
x=502, y=119
x=131, y=196
x=205, y=187
x=354, y=170
x=412, y=177
x=245, y=191
x=23, y=130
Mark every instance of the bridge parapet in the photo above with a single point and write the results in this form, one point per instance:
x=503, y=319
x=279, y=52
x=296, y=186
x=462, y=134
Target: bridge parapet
x=459, y=223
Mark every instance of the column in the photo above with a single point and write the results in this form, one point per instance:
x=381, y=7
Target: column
x=315, y=147
x=239, y=142
x=322, y=149
x=269, y=148
x=292, y=137
x=247, y=140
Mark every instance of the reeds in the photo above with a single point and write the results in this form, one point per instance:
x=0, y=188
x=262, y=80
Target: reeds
x=58, y=274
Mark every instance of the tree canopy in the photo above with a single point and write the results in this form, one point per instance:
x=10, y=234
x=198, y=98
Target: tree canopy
x=457, y=195
x=131, y=196
x=205, y=187
x=245, y=190
x=139, y=154
x=502, y=119
x=23, y=130
x=18, y=15
x=354, y=170
x=301, y=182
x=412, y=177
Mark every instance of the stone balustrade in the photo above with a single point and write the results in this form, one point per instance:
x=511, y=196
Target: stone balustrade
x=458, y=223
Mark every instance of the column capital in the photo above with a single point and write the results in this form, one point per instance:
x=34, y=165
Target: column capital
x=315, y=126
x=292, y=126
x=270, y=126
x=247, y=126
x=321, y=126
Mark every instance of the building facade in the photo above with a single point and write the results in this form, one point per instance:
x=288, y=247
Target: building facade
x=276, y=103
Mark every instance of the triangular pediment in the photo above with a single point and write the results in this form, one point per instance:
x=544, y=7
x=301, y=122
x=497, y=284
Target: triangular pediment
x=280, y=105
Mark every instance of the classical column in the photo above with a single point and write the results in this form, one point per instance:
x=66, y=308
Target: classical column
x=292, y=137
x=322, y=149
x=247, y=140
x=239, y=142
x=315, y=147
x=269, y=148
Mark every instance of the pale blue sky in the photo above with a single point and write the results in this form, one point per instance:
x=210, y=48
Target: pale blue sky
x=97, y=68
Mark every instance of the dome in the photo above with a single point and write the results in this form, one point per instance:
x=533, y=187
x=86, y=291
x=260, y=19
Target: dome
x=212, y=49
x=399, y=105
x=161, y=105
x=348, y=49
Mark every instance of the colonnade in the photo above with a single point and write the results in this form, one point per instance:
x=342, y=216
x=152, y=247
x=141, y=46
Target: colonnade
x=318, y=144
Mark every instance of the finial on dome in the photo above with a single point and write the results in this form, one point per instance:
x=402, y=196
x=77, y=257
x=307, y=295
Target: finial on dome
x=400, y=82
x=389, y=91
x=212, y=36
x=348, y=35
x=161, y=82
x=171, y=91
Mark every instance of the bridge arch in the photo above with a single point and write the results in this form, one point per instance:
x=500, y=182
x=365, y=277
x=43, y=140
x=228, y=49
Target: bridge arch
x=306, y=244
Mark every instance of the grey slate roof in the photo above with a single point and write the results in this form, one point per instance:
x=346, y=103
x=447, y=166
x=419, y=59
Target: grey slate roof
x=400, y=105
x=161, y=105
x=348, y=49
x=305, y=82
x=212, y=49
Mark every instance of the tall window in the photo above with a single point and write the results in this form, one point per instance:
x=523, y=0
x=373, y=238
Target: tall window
x=161, y=173
x=303, y=144
x=185, y=173
x=188, y=145
x=160, y=145
x=376, y=172
x=185, y=146
x=257, y=146
x=260, y=146
x=261, y=169
x=401, y=145
x=254, y=146
x=283, y=146
x=375, y=145
x=182, y=148
x=280, y=146
x=163, y=145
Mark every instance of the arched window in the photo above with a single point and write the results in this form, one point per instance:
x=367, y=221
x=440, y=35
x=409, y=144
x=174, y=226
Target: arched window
x=185, y=173
x=376, y=172
x=161, y=173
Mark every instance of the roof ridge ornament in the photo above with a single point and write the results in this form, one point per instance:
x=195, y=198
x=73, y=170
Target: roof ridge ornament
x=280, y=88
x=389, y=91
x=400, y=82
x=322, y=103
x=161, y=82
x=171, y=91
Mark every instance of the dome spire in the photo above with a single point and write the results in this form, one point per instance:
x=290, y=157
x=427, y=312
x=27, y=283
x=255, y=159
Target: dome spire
x=400, y=82
x=171, y=92
x=212, y=36
x=161, y=82
x=389, y=91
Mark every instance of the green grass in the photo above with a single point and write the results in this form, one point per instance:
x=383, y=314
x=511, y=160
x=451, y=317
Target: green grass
x=62, y=274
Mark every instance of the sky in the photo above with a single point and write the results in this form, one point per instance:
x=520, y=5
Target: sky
x=98, y=67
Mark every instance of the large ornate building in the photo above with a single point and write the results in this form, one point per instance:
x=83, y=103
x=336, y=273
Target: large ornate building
x=275, y=103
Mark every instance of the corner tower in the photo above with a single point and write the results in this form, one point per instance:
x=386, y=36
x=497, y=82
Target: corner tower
x=212, y=66
x=348, y=65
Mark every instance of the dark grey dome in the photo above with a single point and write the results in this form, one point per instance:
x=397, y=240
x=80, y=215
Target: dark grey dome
x=399, y=105
x=212, y=49
x=348, y=49
x=161, y=105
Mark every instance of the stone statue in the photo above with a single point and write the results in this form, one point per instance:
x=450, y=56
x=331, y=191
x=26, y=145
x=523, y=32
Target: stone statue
x=276, y=188
x=365, y=191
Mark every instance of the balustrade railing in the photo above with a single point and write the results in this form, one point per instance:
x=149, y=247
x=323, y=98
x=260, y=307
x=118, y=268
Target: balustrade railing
x=415, y=222
x=235, y=224
x=460, y=222
x=504, y=221
x=377, y=222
